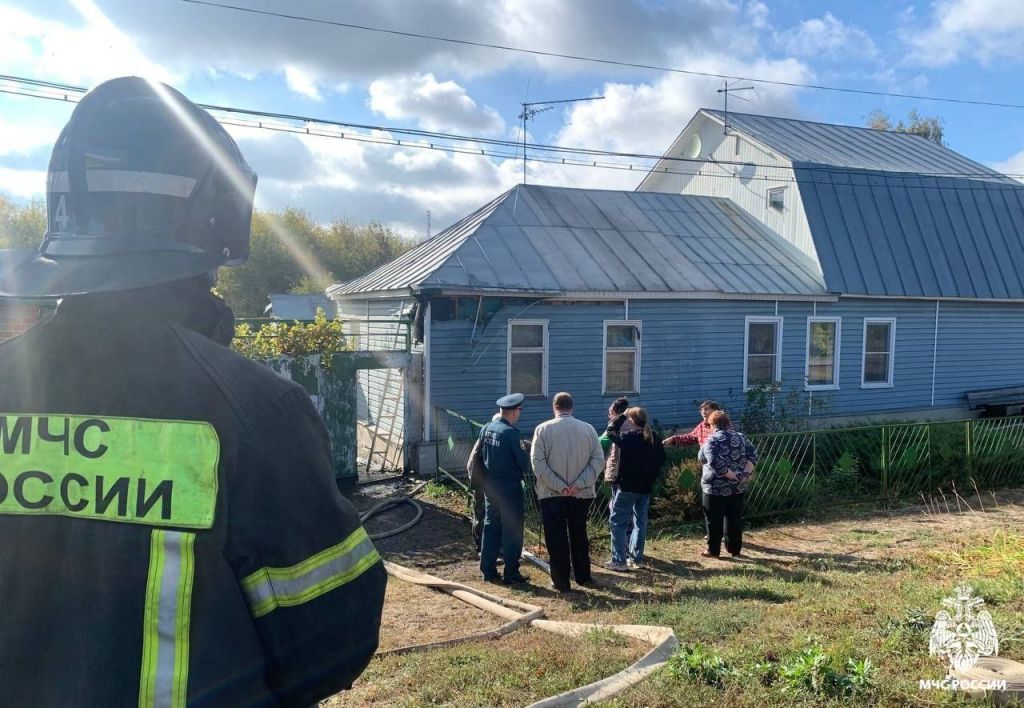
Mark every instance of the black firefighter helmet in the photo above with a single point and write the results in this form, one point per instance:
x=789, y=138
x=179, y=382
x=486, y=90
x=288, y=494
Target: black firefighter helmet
x=144, y=187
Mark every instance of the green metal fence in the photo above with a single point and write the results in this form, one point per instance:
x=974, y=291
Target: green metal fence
x=820, y=469
x=823, y=468
x=454, y=435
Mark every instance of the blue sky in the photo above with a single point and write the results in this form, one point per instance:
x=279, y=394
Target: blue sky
x=966, y=49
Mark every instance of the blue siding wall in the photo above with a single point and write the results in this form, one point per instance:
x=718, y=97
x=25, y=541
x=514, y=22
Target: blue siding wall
x=979, y=347
x=692, y=350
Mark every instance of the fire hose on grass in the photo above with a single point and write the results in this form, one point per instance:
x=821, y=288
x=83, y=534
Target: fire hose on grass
x=662, y=639
x=520, y=614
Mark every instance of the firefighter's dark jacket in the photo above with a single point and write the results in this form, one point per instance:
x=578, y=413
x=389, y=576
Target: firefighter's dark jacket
x=103, y=600
x=502, y=450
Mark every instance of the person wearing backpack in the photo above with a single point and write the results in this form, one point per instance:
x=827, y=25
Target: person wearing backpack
x=641, y=457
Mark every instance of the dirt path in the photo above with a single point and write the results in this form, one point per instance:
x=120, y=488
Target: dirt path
x=441, y=545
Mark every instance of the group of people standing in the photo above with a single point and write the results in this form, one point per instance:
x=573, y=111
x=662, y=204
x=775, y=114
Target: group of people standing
x=568, y=458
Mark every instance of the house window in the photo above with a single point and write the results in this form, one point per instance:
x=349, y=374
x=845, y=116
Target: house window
x=879, y=345
x=761, y=351
x=621, y=357
x=777, y=198
x=528, y=357
x=822, y=368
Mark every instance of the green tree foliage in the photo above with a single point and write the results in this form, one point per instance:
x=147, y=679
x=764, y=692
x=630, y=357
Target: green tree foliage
x=930, y=127
x=276, y=339
x=21, y=226
x=282, y=241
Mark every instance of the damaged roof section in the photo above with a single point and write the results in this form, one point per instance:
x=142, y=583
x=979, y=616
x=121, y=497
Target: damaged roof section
x=539, y=239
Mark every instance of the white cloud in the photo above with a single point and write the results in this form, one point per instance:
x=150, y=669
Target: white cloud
x=827, y=36
x=333, y=178
x=435, y=105
x=85, y=48
x=757, y=12
x=984, y=30
x=24, y=184
x=24, y=137
x=1013, y=165
x=301, y=82
x=342, y=179
x=247, y=44
x=647, y=117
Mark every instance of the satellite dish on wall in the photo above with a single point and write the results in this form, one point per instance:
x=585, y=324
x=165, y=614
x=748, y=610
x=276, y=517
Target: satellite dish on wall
x=691, y=149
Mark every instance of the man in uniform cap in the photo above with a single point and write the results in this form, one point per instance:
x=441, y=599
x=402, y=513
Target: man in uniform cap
x=506, y=462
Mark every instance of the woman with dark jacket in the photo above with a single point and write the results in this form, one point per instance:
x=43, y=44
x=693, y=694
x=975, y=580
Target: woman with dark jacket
x=641, y=457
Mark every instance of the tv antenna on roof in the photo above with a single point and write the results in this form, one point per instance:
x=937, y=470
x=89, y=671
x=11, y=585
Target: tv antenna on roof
x=532, y=108
x=726, y=89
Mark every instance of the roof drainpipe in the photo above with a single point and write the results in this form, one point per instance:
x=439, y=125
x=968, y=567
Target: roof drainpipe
x=427, y=408
x=935, y=350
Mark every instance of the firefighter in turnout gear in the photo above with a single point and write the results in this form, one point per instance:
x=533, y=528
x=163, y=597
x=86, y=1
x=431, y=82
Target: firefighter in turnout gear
x=172, y=533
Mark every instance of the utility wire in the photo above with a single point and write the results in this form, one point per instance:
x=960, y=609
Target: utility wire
x=566, y=162
x=600, y=60
x=65, y=91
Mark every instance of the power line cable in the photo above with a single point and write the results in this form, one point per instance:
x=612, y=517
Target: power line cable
x=66, y=90
x=600, y=60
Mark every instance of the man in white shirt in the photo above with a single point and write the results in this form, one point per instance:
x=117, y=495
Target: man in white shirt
x=567, y=460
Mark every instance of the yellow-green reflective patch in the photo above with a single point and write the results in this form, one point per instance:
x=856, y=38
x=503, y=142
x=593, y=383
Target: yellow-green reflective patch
x=153, y=472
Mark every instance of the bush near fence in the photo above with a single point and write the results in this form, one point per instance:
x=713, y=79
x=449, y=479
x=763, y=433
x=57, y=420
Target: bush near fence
x=801, y=471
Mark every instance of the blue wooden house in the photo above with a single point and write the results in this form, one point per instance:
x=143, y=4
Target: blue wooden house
x=874, y=274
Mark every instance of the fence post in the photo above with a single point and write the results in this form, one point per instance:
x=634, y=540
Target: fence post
x=969, y=448
x=885, y=464
x=437, y=449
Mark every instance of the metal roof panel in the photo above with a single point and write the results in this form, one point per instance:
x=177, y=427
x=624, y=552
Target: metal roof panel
x=537, y=238
x=880, y=233
x=854, y=147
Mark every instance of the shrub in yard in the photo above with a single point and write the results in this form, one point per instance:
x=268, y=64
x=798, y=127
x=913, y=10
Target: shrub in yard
x=908, y=632
x=676, y=496
x=699, y=664
x=812, y=671
x=843, y=480
x=276, y=339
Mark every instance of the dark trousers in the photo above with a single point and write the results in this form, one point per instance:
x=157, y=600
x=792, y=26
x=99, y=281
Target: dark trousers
x=716, y=510
x=503, y=528
x=565, y=534
x=478, y=516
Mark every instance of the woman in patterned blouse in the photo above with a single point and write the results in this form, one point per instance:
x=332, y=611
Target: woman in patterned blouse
x=728, y=460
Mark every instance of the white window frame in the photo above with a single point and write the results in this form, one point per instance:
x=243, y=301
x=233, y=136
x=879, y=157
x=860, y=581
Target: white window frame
x=749, y=320
x=891, y=321
x=776, y=190
x=834, y=386
x=526, y=350
x=636, y=355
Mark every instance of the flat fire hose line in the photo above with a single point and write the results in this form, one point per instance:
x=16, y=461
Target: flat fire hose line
x=997, y=668
x=662, y=639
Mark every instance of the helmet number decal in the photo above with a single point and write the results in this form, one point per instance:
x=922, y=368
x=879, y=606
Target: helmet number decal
x=60, y=214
